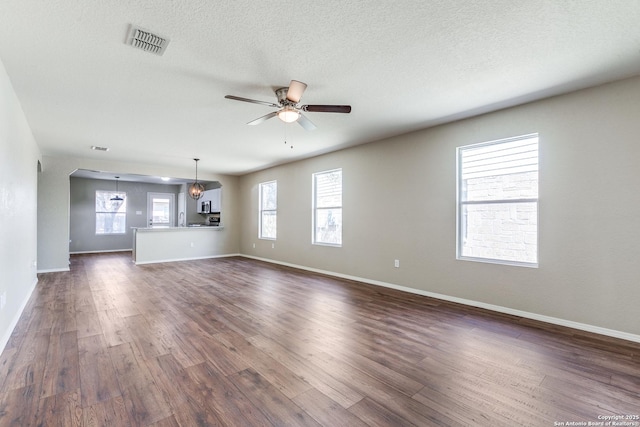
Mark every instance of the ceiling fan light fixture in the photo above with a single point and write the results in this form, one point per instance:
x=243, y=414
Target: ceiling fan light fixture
x=288, y=114
x=289, y=109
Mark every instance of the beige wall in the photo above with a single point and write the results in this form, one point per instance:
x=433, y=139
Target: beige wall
x=19, y=155
x=400, y=203
x=53, y=193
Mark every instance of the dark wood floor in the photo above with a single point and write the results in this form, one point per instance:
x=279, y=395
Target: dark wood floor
x=239, y=342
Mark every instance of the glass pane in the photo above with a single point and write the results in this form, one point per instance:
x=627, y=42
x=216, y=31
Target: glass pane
x=105, y=204
x=329, y=226
x=160, y=211
x=269, y=195
x=329, y=189
x=110, y=223
x=500, y=231
x=111, y=214
x=268, y=230
x=501, y=187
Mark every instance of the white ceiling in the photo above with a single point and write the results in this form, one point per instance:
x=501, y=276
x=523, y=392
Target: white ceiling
x=402, y=66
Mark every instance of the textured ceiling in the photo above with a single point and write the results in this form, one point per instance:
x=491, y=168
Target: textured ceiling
x=402, y=66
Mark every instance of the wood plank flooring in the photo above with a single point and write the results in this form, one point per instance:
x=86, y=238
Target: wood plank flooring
x=237, y=342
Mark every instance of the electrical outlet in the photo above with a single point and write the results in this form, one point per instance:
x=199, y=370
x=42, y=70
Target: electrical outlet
x=273, y=245
x=254, y=246
x=3, y=299
x=192, y=245
x=396, y=263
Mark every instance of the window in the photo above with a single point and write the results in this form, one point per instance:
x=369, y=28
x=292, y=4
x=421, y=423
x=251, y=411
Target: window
x=267, y=223
x=498, y=201
x=111, y=215
x=327, y=207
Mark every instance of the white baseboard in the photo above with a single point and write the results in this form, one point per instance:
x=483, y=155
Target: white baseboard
x=184, y=259
x=16, y=318
x=534, y=316
x=53, y=270
x=100, y=252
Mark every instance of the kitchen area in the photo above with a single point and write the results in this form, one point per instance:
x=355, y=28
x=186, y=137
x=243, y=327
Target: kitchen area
x=196, y=239
x=153, y=217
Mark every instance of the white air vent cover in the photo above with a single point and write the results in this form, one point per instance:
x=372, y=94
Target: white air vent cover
x=147, y=41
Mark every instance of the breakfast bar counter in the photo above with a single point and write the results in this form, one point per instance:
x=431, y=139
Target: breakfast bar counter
x=166, y=244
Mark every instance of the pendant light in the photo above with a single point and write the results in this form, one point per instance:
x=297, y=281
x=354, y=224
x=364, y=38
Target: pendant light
x=117, y=198
x=196, y=189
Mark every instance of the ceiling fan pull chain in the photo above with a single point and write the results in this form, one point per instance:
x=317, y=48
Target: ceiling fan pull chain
x=285, y=133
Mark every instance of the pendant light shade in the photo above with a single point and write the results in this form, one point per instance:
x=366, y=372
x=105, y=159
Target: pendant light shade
x=117, y=198
x=196, y=189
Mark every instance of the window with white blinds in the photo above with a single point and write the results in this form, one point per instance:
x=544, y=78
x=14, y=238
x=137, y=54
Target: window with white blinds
x=268, y=215
x=498, y=201
x=327, y=208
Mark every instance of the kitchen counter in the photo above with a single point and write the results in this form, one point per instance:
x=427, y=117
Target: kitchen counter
x=152, y=245
x=189, y=227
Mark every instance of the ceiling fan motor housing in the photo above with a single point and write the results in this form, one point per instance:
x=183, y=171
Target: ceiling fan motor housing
x=289, y=112
x=281, y=94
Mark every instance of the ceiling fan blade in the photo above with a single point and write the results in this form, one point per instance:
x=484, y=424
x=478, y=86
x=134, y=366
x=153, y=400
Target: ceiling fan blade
x=263, y=118
x=305, y=122
x=327, y=108
x=253, y=101
x=296, y=89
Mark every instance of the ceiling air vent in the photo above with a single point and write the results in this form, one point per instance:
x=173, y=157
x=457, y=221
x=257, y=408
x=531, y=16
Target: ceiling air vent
x=147, y=41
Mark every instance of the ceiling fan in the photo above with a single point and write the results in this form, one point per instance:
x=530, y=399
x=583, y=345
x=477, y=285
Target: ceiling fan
x=289, y=107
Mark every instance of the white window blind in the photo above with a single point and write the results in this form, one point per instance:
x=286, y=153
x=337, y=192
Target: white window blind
x=511, y=157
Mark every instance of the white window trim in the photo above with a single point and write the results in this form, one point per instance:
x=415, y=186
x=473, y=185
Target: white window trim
x=260, y=210
x=460, y=203
x=315, y=209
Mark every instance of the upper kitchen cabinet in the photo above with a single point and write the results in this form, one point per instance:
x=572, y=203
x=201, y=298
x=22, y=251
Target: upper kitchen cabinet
x=215, y=197
x=210, y=201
